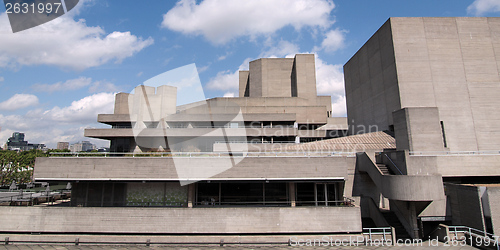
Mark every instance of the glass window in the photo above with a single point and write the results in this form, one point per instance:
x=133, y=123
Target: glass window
x=317, y=194
x=276, y=194
x=242, y=194
x=207, y=194
x=305, y=194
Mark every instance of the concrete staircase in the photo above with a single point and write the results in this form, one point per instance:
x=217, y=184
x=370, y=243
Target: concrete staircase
x=384, y=169
x=393, y=221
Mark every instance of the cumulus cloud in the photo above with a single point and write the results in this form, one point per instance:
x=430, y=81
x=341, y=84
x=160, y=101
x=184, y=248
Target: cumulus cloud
x=282, y=49
x=103, y=86
x=329, y=78
x=82, y=111
x=19, y=101
x=220, y=21
x=78, y=83
x=65, y=43
x=224, y=80
x=339, y=107
x=228, y=80
x=229, y=94
x=59, y=124
x=481, y=7
x=333, y=41
x=72, y=84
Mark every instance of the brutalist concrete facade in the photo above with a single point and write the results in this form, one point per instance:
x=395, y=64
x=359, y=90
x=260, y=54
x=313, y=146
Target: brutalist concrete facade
x=267, y=189
x=433, y=82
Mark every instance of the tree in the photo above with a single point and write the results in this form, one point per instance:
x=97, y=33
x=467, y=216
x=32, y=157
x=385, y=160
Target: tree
x=18, y=166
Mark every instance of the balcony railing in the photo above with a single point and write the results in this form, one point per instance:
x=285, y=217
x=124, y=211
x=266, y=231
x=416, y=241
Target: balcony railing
x=453, y=153
x=206, y=154
x=253, y=142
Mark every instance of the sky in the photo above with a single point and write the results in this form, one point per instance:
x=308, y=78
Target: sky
x=55, y=78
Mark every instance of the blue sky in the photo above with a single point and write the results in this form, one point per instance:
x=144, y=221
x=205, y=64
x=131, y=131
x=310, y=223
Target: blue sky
x=56, y=78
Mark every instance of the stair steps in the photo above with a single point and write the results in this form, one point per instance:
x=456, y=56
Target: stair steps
x=384, y=169
x=394, y=222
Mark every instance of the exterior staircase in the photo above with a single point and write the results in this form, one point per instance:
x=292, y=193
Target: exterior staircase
x=384, y=169
x=393, y=221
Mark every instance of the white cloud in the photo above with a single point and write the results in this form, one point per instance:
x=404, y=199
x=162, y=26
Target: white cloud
x=72, y=84
x=282, y=49
x=329, y=78
x=82, y=111
x=330, y=81
x=59, y=124
x=203, y=68
x=229, y=94
x=2, y=79
x=139, y=74
x=223, y=20
x=103, y=86
x=333, y=41
x=339, y=108
x=228, y=80
x=481, y=7
x=65, y=43
x=78, y=83
x=19, y=101
x=225, y=80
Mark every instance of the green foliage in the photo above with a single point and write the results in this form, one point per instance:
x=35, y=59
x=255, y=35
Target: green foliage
x=18, y=166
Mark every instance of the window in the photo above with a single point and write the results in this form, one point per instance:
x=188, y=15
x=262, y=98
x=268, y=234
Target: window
x=318, y=194
x=242, y=194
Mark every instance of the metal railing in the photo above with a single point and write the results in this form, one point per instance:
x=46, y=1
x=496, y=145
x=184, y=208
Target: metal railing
x=229, y=126
x=345, y=202
x=254, y=142
x=482, y=238
x=30, y=198
x=385, y=232
x=101, y=203
x=452, y=153
x=393, y=164
x=204, y=154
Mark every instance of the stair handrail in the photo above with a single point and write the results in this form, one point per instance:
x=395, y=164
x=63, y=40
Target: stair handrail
x=394, y=164
x=473, y=232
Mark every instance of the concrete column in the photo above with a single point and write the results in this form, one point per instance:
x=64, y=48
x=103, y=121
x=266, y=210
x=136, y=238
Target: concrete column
x=191, y=194
x=413, y=220
x=291, y=190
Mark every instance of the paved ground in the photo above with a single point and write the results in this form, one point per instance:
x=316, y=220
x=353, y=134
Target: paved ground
x=425, y=245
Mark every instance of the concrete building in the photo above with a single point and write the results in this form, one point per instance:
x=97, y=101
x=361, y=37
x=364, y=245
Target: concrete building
x=63, y=145
x=83, y=146
x=434, y=83
x=420, y=147
x=17, y=142
x=221, y=166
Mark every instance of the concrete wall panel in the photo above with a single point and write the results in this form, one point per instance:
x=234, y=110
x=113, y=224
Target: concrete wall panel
x=180, y=220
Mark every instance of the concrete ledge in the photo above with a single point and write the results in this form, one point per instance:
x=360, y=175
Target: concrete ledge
x=195, y=132
x=263, y=220
x=67, y=239
x=402, y=187
x=164, y=168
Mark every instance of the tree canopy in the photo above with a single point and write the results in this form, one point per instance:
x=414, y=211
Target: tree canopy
x=18, y=166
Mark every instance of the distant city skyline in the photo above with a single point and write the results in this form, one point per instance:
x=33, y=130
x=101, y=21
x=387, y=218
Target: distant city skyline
x=56, y=78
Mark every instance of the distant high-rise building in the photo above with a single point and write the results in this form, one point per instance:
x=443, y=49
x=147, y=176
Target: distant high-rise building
x=84, y=146
x=63, y=145
x=17, y=142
